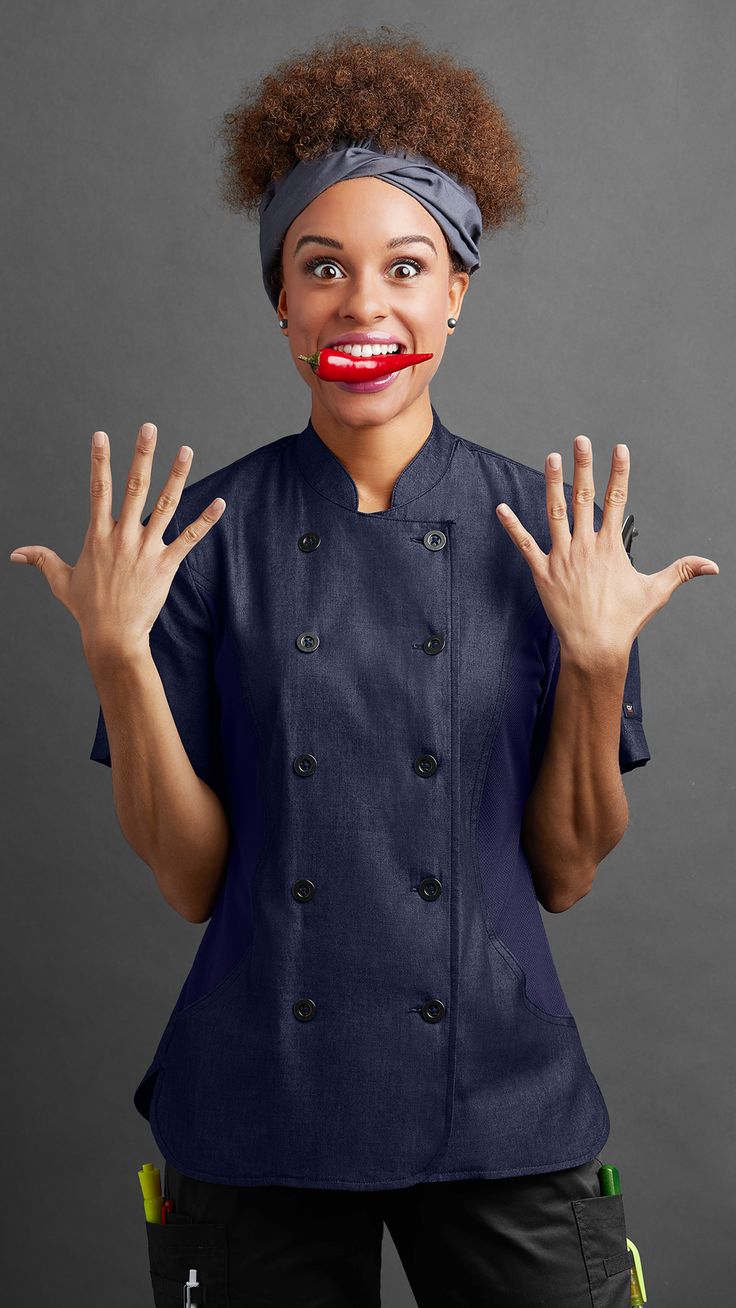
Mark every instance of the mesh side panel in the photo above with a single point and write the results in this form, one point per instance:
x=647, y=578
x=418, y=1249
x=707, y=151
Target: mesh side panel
x=230, y=928
x=506, y=879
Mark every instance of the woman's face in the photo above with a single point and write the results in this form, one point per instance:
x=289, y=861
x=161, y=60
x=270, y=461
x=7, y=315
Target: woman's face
x=405, y=291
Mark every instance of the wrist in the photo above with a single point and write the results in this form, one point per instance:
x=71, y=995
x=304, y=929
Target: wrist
x=595, y=663
x=107, y=656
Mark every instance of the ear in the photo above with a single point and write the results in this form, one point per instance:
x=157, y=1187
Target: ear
x=459, y=282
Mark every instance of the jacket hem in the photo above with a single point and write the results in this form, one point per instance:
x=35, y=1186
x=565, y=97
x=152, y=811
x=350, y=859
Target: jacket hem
x=394, y=1183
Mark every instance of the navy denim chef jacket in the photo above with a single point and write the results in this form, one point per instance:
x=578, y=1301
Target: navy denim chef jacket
x=373, y=1002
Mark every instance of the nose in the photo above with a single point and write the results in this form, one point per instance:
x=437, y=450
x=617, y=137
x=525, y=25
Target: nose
x=365, y=299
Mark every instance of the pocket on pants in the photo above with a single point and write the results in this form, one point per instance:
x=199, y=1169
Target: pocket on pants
x=608, y=1259
x=175, y=1248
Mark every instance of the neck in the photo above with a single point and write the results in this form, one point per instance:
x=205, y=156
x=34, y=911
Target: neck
x=375, y=455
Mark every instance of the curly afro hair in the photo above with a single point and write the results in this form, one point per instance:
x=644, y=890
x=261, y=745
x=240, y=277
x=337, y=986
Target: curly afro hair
x=392, y=89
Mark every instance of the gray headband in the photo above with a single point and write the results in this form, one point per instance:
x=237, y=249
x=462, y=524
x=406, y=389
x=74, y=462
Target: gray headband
x=453, y=206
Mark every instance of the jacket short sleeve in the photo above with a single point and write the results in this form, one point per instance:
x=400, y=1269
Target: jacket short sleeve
x=182, y=647
x=633, y=750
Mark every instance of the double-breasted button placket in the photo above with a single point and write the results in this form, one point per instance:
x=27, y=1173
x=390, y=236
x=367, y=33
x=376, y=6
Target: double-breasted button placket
x=424, y=765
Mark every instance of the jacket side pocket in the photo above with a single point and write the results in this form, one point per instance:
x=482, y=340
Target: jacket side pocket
x=174, y=1249
x=608, y=1260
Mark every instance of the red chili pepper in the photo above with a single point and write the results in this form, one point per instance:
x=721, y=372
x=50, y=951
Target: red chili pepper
x=336, y=365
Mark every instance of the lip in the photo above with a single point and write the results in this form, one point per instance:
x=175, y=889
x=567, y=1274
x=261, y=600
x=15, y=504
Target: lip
x=366, y=338
x=367, y=387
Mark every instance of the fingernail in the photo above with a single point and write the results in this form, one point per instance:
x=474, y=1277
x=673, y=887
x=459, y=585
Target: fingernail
x=99, y=438
x=710, y=568
x=622, y=451
x=20, y=557
x=582, y=443
x=184, y=452
x=147, y=431
x=554, y=460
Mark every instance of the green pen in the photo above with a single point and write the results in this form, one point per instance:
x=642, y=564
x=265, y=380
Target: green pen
x=610, y=1183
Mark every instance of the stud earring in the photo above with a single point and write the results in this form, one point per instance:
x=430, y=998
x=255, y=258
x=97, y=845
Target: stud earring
x=452, y=322
x=283, y=322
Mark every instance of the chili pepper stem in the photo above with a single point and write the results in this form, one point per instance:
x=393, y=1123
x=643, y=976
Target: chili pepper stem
x=311, y=359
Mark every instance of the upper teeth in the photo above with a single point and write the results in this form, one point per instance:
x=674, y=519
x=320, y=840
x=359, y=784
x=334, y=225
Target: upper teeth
x=365, y=351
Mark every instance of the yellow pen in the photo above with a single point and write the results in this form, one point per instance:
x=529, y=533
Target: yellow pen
x=150, y=1179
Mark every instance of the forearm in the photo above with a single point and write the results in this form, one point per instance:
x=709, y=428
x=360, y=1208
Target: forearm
x=577, y=810
x=168, y=815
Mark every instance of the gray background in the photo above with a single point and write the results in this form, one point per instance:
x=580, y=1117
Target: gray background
x=133, y=295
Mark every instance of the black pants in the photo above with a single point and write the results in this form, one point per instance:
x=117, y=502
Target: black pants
x=540, y=1241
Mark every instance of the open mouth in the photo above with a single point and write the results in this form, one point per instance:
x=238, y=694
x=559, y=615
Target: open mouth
x=333, y=364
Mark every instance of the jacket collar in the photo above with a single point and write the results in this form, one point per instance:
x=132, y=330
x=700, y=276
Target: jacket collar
x=324, y=471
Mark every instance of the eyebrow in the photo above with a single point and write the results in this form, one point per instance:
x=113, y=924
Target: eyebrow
x=390, y=245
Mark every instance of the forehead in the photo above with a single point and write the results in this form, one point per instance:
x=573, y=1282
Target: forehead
x=366, y=209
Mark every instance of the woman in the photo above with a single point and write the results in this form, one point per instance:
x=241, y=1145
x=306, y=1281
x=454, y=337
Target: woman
x=368, y=692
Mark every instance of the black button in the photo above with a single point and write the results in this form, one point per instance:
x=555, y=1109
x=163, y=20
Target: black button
x=435, y=539
x=305, y=1009
x=304, y=765
x=434, y=644
x=430, y=888
x=307, y=641
x=425, y=765
x=309, y=541
x=303, y=890
x=433, y=1010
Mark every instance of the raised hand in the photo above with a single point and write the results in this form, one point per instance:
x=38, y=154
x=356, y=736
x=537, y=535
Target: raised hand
x=120, y=581
x=596, y=601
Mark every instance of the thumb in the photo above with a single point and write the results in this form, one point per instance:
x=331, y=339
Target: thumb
x=682, y=570
x=54, y=569
x=693, y=565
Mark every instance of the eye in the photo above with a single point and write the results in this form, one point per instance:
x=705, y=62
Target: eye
x=313, y=263
x=317, y=261
x=409, y=263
